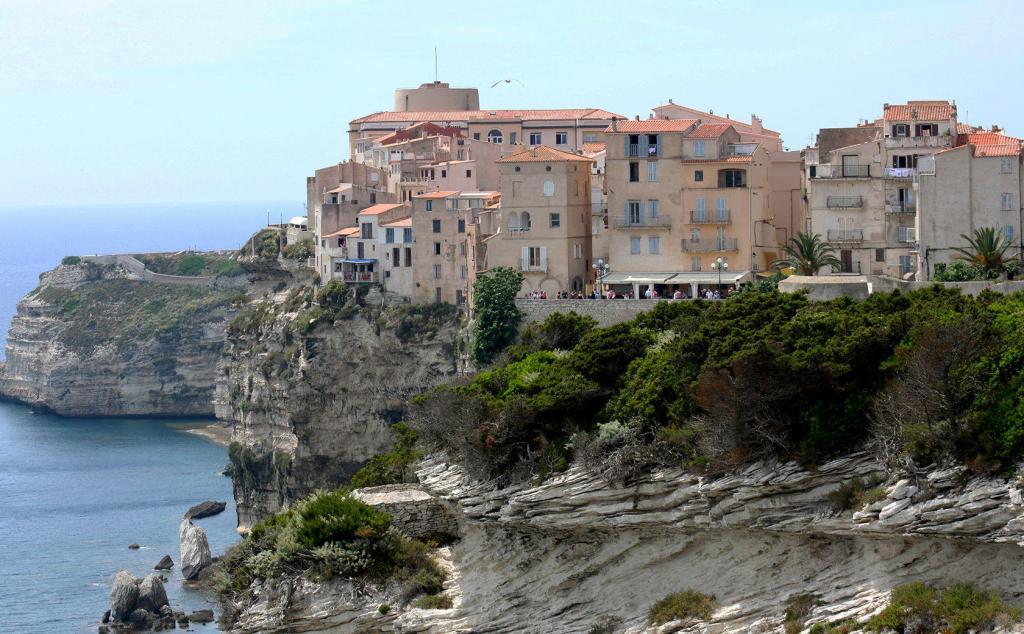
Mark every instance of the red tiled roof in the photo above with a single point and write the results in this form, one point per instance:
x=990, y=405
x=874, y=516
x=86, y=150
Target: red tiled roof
x=964, y=128
x=723, y=159
x=542, y=154
x=920, y=111
x=653, y=125
x=740, y=126
x=1005, y=149
x=709, y=131
x=378, y=209
x=592, y=148
x=433, y=195
x=344, y=231
x=401, y=222
x=991, y=144
x=475, y=115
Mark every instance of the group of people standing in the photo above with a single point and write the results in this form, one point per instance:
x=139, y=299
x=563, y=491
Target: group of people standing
x=649, y=293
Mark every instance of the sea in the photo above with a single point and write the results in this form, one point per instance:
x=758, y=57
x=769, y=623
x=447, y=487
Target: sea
x=76, y=492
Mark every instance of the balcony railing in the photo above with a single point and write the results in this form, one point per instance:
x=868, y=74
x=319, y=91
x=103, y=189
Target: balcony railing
x=360, y=277
x=517, y=233
x=646, y=222
x=919, y=141
x=844, y=202
x=709, y=245
x=900, y=172
x=906, y=207
x=540, y=265
x=843, y=171
x=642, y=150
x=712, y=217
x=845, y=235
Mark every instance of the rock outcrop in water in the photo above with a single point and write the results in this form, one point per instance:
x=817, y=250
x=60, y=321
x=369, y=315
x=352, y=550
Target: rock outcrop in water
x=138, y=604
x=310, y=404
x=195, y=550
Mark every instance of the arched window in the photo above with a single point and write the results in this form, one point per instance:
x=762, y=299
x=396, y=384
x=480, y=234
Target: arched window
x=577, y=284
x=494, y=136
x=549, y=188
x=524, y=223
x=513, y=221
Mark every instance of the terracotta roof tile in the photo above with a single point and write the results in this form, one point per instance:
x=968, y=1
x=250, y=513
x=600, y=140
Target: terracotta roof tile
x=709, y=131
x=477, y=115
x=920, y=111
x=375, y=210
x=401, y=222
x=343, y=232
x=542, y=154
x=433, y=195
x=630, y=126
x=724, y=159
x=992, y=144
x=593, y=148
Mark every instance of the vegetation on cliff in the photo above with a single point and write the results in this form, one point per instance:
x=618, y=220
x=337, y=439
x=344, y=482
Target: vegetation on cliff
x=497, y=318
x=923, y=377
x=330, y=534
x=191, y=264
x=959, y=608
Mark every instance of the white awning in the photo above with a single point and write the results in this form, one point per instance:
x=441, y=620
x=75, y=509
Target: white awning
x=638, y=277
x=688, y=277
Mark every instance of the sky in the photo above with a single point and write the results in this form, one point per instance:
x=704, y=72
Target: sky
x=128, y=101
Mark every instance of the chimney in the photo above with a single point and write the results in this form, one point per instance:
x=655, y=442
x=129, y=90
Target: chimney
x=638, y=117
x=670, y=101
x=615, y=124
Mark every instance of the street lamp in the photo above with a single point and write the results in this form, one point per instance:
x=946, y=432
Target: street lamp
x=602, y=268
x=720, y=265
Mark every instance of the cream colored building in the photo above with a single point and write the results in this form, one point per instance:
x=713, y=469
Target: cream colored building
x=753, y=132
x=861, y=197
x=977, y=184
x=684, y=194
x=545, y=225
x=395, y=244
x=366, y=252
x=446, y=240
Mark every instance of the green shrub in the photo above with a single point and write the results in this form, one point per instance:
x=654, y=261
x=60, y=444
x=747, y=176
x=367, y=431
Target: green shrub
x=959, y=608
x=335, y=516
x=228, y=268
x=300, y=250
x=393, y=467
x=191, y=265
x=497, y=317
x=857, y=493
x=384, y=608
x=71, y=260
x=434, y=602
x=688, y=604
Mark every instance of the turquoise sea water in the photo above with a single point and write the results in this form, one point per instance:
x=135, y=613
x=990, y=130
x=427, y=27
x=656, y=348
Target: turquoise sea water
x=74, y=493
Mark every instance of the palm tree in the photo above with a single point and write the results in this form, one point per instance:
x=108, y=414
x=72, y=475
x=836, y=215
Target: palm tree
x=806, y=253
x=988, y=249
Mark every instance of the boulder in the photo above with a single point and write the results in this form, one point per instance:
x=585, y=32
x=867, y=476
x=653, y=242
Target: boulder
x=152, y=595
x=195, y=550
x=201, y=616
x=205, y=509
x=141, y=619
x=165, y=563
x=134, y=547
x=123, y=595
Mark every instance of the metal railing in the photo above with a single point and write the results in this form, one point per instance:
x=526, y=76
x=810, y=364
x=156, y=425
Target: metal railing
x=353, y=276
x=536, y=265
x=710, y=217
x=844, y=202
x=845, y=235
x=906, y=207
x=900, y=172
x=843, y=171
x=640, y=150
x=645, y=222
x=919, y=141
x=709, y=245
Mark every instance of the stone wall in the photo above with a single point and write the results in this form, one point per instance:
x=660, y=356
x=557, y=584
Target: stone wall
x=413, y=511
x=607, y=312
x=826, y=287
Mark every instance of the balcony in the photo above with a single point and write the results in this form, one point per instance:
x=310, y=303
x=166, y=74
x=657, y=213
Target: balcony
x=626, y=222
x=896, y=142
x=714, y=217
x=517, y=233
x=360, y=277
x=844, y=202
x=900, y=172
x=710, y=245
x=845, y=235
x=535, y=266
x=843, y=171
x=641, y=150
x=906, y=207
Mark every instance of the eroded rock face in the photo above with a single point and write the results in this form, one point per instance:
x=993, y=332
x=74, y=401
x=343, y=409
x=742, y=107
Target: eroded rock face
x=195, y=550
x=123, y=594
x=152, y=595
x=309, y=410
x=205, y=509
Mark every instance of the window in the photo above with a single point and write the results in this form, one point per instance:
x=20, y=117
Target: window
x=879, y=255
x=462, y=225
x=437, y=291
x=1007, y=202
x=1008, y=232
x=695, y=263
x=513, y=221
x=1007, y=165
x=813, y=171
x=535, y=138
x=459, y=299
x=652, y=171
x=535, y=257
x=469, y=173
x=512, y=138
x=436, y=225
x=408, y=256
x=437, y=248
x=694, y=235
x=463, y=271
x=524, y=223
x=732, y=178
x=652, y=145
x=634, y=214
x=698, y=176
x=555, y=220
x=389, y=235
x=430, y=205
x=909, y=160
x=462, y=249
x=926, y=129
x=721, y=213
x=549, y=188
x=577, y=251
x=634, y=172
x=901, y=130
x=561, y=138
x=652, y=208
x=476, y=137
x=634, y=245
x=396, y=256
x=366, y=230
x=906, y=264
x=698, y=148
x=437, y=271
x=590, y=137
x=700, y=214
x=905, y=234
x=653, y=245
x=407, y=235
x=444, y=174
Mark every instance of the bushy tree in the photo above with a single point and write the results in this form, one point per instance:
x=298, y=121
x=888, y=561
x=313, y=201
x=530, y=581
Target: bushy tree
x=988, y=247
x=494, y=307
x=807, y=253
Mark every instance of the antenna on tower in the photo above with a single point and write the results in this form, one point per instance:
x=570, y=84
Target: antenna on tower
x=435, y=64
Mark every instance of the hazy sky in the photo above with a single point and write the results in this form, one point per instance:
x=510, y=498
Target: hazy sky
x=207, y=100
